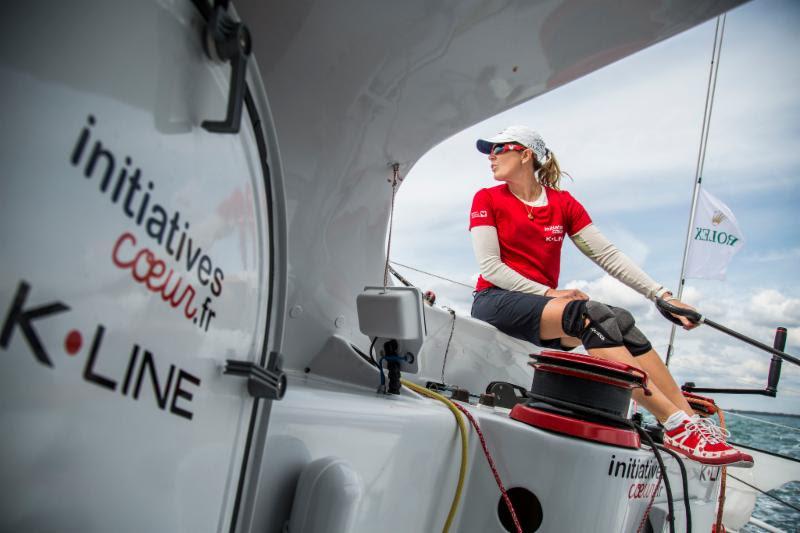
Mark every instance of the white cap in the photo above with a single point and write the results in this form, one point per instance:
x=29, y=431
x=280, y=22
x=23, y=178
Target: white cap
x=518, y=134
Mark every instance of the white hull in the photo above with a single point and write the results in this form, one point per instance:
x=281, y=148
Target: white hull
x=121, y=416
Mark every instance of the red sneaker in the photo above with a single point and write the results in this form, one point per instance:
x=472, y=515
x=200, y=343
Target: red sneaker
x=705, y=445
x=745, y=460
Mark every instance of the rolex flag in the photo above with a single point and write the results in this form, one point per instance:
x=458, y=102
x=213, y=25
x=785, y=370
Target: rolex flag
x=715, y=239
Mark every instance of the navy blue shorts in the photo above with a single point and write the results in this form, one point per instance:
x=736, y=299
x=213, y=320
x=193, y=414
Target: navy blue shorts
x=517, y=314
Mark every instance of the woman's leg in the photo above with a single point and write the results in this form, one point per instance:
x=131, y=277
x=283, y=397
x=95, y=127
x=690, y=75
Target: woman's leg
x=666, y=398
x=659, y=374
x=694, y=439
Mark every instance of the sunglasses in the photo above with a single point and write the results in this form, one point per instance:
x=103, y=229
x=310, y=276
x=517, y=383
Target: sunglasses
x=498, y=149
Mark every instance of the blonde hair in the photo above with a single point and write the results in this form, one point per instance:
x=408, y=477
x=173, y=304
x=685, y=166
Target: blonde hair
x=550, y=172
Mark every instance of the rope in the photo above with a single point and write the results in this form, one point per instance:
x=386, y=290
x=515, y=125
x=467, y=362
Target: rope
x=492, y=466
x=764, y=421
x=650, y=505
x=723, y=484
x=685, y=484
x=433, y=275
x=714, y=408
x=447, y=348
x=663, y=469
x=462, y=428
x=395, y=179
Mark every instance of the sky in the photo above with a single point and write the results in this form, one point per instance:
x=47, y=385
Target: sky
x=629, y=136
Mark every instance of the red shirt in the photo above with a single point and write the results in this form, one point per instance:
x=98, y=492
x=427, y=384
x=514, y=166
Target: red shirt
x=532, y=248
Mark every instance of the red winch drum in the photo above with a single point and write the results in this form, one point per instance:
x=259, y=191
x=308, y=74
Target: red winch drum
x=576, y=381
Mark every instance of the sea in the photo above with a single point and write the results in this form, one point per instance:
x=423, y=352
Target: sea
x=779, y=434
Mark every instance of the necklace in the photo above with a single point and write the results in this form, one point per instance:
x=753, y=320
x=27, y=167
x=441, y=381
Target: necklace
x=528, y=208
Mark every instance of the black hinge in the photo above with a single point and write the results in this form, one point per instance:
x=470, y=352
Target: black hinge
x=269, y=383
x=227, y=40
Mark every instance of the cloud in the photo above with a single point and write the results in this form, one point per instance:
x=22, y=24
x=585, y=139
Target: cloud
x=610, y=291
x=769, y=307
x=629, y=135
x=706, y=356
x=773, y=256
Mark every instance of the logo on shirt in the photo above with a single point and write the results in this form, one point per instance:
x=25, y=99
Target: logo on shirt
x=554, y=233
x=479, y=214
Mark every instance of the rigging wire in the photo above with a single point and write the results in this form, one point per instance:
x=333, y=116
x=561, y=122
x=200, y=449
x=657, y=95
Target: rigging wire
x=764, y=421
x=711, y=90
x=433, y=275
x=765, y=493
x=452, y=312
x=394, y=181
x=725, y=471
x=400, y=278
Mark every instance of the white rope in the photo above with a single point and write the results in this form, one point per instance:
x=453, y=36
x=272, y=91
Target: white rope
x=394, y=180
x=433, y=275
x=761, y=420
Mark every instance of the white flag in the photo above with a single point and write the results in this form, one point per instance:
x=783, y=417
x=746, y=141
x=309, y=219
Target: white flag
x=715, y=239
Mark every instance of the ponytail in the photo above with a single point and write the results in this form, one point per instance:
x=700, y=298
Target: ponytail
x=549, y=173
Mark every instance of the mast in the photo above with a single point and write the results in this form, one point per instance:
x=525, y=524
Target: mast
x=701, y=158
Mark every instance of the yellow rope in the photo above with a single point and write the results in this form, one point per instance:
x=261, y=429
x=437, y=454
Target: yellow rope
x=462, y=427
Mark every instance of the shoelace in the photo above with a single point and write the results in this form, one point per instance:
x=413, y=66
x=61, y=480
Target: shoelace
x=712, y=427
x=705, y=431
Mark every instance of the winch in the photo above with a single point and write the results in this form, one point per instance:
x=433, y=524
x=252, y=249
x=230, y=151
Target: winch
x=582, y=396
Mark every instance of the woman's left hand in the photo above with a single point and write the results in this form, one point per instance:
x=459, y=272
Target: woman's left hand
x=685, y=322
x=571, y=294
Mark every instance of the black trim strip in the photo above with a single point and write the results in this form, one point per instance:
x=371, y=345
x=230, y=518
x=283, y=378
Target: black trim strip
x=255, y=120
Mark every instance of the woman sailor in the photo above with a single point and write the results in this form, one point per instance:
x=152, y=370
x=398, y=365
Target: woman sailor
x=517, y=230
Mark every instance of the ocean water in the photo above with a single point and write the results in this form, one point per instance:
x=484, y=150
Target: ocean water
x=780, y=434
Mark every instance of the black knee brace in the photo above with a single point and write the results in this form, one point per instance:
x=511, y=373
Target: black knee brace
x=573, y=321
x=601, y=326
x=632, y=337
x=602, y=330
